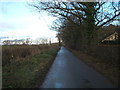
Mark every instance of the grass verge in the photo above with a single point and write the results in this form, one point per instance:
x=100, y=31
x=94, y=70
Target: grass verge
x=30, y=72
x=110, y=71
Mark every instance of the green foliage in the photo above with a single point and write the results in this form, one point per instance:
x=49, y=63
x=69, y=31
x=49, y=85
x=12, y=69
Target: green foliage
x=51, y=51
x=46, y=55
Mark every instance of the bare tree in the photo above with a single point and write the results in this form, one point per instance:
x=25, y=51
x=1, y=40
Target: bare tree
x=44, y=40
x=27, y=41
x=6, y=42
x=59, y=38
x=87, y=17
x=99, y=10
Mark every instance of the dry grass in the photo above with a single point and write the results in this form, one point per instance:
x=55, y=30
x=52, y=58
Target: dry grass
x=11, y=54
x=106, y=68
x=30, y=71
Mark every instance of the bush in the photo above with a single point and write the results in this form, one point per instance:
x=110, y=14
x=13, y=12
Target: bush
x=107, y=53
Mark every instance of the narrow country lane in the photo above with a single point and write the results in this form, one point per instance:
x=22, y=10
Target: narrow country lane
x=68, y=71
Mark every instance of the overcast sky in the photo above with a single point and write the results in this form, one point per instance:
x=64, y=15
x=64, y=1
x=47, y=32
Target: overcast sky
x=18, y=19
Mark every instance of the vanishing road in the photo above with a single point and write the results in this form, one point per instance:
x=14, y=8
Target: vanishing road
x=68, y=71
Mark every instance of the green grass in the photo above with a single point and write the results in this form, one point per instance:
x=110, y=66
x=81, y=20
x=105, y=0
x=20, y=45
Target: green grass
x=29, y=72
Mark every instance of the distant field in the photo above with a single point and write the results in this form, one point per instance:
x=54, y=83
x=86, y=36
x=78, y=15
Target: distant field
x=14, y=53
x=29, y=65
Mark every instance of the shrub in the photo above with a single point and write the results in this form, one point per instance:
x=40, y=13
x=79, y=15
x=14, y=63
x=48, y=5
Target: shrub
x=108, y=53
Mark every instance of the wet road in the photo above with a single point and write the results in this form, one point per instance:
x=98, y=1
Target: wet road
x=68, y=71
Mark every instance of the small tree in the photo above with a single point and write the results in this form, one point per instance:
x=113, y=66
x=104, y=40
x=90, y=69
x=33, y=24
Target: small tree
x=59, y=39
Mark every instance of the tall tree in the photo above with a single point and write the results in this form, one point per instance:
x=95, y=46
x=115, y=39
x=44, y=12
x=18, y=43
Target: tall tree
x=86, y=17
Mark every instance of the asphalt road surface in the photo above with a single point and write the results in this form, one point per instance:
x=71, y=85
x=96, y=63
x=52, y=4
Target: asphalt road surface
x=68, y=71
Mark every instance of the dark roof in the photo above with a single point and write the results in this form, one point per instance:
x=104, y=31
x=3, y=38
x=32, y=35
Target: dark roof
x=106, y=31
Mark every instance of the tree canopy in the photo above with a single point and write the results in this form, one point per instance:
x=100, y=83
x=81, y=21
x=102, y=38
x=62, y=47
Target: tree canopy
x=79, y=21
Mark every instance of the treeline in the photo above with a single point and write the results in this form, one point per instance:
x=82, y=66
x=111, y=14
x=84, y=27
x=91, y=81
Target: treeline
x=27, y=41
x=79, y=23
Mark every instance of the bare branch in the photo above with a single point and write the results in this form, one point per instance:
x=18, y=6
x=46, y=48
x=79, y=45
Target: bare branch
x=109, y=20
